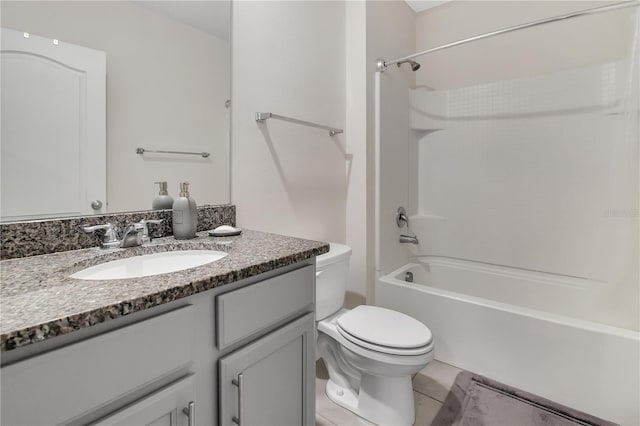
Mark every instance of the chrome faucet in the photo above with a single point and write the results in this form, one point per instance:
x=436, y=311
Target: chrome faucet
x=132, y=235
x=408, y=239
x=110, y=237
x=135, y=234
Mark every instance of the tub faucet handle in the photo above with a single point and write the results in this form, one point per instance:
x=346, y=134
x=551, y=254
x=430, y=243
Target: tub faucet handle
x=401, y=217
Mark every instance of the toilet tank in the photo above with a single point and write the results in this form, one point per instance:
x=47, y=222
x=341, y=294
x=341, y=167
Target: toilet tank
x=332, y=272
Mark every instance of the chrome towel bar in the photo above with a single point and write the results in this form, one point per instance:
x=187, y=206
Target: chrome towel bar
x=262, y=116
x=143, y=150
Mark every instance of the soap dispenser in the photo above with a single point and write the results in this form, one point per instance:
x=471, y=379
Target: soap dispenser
x=185, y=214
x=163, y=200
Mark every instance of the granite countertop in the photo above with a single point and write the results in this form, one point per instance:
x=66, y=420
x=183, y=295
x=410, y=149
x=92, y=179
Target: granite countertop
x=40, y=301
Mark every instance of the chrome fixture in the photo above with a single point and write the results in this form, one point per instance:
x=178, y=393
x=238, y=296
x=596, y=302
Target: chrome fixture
x=190, y=412
x=96, y=204
x=145, y=229
x=407, y=239
x=381, y=64
x=157, y=151
x=262, y=116
x=110, y=237
x=408, y=277
x=132, y=236
x=239, y=384
x=401, y=218
x=414, y=65
x=135, y=234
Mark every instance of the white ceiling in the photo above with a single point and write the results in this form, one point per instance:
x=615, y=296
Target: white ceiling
x=422, y=5
x=214, y=16
x=211, y=16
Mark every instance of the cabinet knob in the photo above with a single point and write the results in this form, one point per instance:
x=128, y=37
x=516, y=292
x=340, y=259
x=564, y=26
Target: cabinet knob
x=190, y=412
x=238, y=382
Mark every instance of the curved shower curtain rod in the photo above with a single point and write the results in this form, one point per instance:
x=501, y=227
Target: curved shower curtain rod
x=382, y=64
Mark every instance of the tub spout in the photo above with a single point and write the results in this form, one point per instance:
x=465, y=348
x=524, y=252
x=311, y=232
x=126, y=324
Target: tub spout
x=408, y=239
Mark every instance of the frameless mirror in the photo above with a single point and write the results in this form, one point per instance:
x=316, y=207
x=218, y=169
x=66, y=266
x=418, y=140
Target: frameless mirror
x=100, y=99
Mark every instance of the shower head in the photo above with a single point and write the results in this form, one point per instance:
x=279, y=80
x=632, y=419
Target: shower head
x=414, y=65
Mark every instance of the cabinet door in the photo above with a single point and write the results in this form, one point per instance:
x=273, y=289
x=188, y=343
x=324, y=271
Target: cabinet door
x=271, y=381
x=162, y=408
x=66, y=384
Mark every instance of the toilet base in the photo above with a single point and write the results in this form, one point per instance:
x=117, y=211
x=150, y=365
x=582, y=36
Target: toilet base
x=380, y=400
x=344, y=397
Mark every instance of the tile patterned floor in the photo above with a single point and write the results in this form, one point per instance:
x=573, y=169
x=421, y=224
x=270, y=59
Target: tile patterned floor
x=430, y=387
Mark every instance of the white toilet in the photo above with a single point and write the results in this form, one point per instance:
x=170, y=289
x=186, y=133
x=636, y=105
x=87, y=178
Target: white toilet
x=370, y=352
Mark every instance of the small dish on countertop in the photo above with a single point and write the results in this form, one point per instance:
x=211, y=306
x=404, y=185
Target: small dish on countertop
x=225, y=231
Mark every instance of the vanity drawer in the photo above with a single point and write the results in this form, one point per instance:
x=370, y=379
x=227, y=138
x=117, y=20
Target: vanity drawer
x=63, y=384
x=250, y=309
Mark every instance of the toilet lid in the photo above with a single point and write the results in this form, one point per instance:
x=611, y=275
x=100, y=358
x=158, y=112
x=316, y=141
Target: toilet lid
x=384, y=327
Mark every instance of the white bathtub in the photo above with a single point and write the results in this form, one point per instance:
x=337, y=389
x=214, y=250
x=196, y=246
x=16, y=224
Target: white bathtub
x=520, y=338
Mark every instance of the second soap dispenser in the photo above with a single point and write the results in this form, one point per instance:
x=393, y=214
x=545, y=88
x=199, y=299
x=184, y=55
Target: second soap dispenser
x=185, y=214
x=163, y=200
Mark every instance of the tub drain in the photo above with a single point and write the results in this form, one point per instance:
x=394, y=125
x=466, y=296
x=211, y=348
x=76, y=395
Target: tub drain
x=408, y=277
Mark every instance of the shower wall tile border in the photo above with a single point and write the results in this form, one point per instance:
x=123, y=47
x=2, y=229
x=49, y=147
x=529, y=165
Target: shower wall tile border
x=33, y=238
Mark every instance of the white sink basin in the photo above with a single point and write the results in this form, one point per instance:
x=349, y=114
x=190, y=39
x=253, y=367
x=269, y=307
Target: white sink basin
x=149, y=264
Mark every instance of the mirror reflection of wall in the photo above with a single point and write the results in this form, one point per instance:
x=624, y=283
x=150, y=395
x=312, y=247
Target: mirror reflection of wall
x=167, y=81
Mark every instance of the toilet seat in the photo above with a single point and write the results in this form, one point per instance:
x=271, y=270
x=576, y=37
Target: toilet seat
x=378, y=355
x=384, y=349
x=384, y=330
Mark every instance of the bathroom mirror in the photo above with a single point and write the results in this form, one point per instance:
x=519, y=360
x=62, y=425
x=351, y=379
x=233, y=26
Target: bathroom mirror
x=90, y=89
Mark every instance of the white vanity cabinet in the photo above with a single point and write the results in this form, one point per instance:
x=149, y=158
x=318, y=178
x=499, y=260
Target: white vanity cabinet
x=174, y=364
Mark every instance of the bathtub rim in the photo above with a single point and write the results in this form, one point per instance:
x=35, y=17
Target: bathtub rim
x=625, y=333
